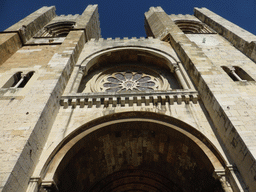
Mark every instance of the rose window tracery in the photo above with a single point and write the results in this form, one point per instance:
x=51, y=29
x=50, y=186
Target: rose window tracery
x=129, y=81
x=124, y=80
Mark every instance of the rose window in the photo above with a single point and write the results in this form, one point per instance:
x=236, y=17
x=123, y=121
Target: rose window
x=129, y=81
x=119, y=79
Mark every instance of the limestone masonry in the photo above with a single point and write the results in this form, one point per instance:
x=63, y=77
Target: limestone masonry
x=173, y=111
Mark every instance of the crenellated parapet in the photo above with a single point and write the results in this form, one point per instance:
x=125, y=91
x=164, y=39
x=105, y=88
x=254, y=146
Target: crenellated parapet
x=29, y=26
x=157, y=22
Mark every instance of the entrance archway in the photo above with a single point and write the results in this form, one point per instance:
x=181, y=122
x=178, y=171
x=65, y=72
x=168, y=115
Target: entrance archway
x=136, y=152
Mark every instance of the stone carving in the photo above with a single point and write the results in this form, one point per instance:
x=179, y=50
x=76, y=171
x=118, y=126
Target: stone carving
x=129, y=81
x=193, y=27
x=127, y=78
x=57, y=29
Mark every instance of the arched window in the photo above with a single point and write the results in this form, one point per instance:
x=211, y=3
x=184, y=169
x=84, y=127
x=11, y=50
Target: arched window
x=237, y=73
x=129, y=77
x=13, y=80
x=230, y=73
x=18, y=80
x=193, y=27
x=58, y=29
x=242, y=74
x=26, y=79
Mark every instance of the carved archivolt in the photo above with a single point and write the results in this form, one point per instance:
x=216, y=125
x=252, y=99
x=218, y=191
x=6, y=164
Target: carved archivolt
x=57, y=29
x=193, y=27
x=129, y=70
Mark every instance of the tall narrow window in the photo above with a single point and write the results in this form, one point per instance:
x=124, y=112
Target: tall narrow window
x=230, y=73
x=13, y=80
x=18, y=80
x=242, y=74
x=26, y=79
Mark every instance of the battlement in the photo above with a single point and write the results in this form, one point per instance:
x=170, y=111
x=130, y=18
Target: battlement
x=183, y=17
x=154, y=10
x=62, y=18
x=121, y=39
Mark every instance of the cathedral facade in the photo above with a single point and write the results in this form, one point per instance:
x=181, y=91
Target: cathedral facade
x=174, y=111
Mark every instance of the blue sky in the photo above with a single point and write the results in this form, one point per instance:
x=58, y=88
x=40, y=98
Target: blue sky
x=125, y=18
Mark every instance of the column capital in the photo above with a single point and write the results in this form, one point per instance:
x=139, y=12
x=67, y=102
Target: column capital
x=48, y=186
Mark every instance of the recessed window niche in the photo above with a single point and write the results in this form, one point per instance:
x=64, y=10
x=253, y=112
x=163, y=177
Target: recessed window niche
x=193, y=27
x=18, y=80
x=237, y=74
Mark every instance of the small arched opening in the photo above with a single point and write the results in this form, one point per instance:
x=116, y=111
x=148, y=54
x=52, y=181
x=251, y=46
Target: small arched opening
x=19, y=80
x=193, y=27
x=237, y=74
x=57, y=29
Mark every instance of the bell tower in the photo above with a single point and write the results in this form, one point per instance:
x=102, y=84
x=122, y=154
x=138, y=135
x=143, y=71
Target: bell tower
x=173, y=111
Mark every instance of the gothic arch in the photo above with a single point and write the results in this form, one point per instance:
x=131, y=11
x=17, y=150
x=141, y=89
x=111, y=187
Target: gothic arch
x=165, y=143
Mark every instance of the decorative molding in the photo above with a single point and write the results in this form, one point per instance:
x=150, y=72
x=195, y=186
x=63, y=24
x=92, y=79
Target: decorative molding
x=48, y=186
x=194, y=27
x=138, y=98
x=128, y=78
x=57, y=29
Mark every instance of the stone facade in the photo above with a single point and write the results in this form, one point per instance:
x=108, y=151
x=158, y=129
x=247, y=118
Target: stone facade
x=171, y=112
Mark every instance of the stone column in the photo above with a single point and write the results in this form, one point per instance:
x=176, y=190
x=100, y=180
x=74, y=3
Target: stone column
x=23, y=76
x=234, y=73
x=180, y=78
x=34, y=184
x=233, y=179
x=221, y=176
x=48, y=186
x=78, y=80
